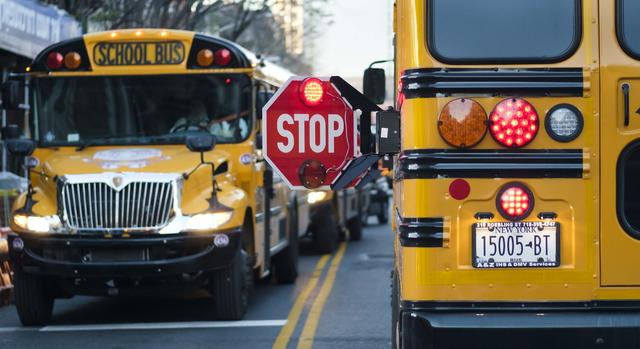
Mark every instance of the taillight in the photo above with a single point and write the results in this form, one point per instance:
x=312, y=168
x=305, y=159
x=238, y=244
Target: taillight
x=462, y=123
x=514, y=122
x=312, y=174
x=515, y=201
x=400, y=99
x=311, y=92
x=54, y=60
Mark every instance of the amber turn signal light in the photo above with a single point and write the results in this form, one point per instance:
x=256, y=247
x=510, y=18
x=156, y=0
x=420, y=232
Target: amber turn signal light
x=462, y=123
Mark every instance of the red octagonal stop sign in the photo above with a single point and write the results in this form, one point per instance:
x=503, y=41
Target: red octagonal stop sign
x=309, y=133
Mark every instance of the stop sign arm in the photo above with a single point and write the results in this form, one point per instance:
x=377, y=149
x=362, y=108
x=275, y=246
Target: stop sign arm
x=354, y=170
x=361, y=102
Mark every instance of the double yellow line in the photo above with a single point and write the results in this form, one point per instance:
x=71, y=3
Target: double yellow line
x=311, y=324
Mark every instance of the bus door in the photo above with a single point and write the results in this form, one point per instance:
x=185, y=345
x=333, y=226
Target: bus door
x=620, y=142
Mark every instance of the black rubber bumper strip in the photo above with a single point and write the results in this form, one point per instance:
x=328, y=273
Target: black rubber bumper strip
x=435, y=82
x=421, y=232
x=504, y=163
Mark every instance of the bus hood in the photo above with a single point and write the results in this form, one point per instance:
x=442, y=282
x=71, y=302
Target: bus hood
x=151, y=159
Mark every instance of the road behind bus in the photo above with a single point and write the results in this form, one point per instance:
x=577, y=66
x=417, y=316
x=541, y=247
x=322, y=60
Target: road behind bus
x=347, y=308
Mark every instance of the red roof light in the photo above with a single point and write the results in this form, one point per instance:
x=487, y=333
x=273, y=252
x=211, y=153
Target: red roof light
x=223, y=57
x=55, y=60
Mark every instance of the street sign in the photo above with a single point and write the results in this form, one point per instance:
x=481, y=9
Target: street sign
x=310, y=133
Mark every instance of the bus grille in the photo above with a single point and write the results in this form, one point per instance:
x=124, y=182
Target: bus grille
x=136, y=206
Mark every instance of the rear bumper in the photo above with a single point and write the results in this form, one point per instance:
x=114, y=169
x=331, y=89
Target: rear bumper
x=160, y=255
x=535, y=328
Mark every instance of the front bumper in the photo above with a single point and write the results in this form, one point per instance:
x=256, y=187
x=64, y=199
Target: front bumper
x=141, y=256
x=549, y=327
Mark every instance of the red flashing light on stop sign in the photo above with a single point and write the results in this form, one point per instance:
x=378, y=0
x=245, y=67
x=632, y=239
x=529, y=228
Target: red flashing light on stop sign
x=308, y=122
x=311, y=92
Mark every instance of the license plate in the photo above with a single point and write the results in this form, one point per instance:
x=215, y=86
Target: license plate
x=516, y=245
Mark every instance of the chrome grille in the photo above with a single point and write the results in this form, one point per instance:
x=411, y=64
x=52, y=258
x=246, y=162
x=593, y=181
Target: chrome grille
x=137, y=205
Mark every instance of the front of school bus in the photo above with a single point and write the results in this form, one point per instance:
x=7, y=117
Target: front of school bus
x=499, y=235
x=117, y=201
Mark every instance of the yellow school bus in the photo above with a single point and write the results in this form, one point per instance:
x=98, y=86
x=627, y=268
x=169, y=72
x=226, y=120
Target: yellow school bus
x=147, y=174
x=516, y=187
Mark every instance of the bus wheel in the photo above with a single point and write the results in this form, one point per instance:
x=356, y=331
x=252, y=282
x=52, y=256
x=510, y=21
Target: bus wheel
x=395, y=311
x=286, y=262
x=231, y=288
x=33, y=303
x=325, y=233
x=355, y=228
x=383, y=216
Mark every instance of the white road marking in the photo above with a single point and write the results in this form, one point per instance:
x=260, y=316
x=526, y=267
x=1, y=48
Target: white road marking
x=150, y=326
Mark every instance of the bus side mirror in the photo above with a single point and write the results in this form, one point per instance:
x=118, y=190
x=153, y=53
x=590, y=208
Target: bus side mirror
x=11, y=95
x=201, y=142
x=21, y=147
x=374, y=85
x=262, y=98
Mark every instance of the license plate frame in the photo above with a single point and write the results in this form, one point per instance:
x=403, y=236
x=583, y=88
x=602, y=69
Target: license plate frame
x=547, y=226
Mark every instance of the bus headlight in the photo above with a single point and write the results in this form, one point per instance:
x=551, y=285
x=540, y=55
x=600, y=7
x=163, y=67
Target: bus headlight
x=564, y=123
x=316, y=196
x=208, y=221
x=37, y=224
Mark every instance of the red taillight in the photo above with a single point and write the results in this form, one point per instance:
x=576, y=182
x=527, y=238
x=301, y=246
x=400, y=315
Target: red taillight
x=223, y=57
x=515, y=201
x=311, y=92
x=312, y=174
x=54, y=60
x=514, y=122
x=400, y=99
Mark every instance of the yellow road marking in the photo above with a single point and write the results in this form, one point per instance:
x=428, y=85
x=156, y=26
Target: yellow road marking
x=311, y=325
x=294, y=315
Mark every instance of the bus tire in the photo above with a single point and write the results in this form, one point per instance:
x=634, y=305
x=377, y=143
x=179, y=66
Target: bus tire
x=231, y=287
x=383, y=216
x=286, y=262
x=325, y=233
x=355, y=228
x=395, y=311
x=33, y=302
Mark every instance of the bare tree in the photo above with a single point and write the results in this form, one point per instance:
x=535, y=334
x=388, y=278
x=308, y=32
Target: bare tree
x=250, y=22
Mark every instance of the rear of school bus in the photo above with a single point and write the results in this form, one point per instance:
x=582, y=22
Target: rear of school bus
x=516, y=187
x=121, y=201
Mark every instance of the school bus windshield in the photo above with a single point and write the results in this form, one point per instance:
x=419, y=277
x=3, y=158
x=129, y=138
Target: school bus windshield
x=110, y=110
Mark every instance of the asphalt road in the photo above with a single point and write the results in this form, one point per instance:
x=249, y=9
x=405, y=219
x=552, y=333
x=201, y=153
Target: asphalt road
x=339, y=301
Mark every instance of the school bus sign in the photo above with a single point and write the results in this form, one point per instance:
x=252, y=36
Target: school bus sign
x=310, y=133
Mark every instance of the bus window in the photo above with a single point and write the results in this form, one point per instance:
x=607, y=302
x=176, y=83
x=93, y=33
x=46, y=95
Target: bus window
x=151, y=109
x=508, y=31
x=628, y=202
x=628, y=26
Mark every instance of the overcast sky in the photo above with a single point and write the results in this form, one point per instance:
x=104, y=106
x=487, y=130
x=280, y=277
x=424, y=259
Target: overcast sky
x=360, y=34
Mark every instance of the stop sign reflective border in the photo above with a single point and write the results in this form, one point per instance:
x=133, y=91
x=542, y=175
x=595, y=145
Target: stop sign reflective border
x=295, y=132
